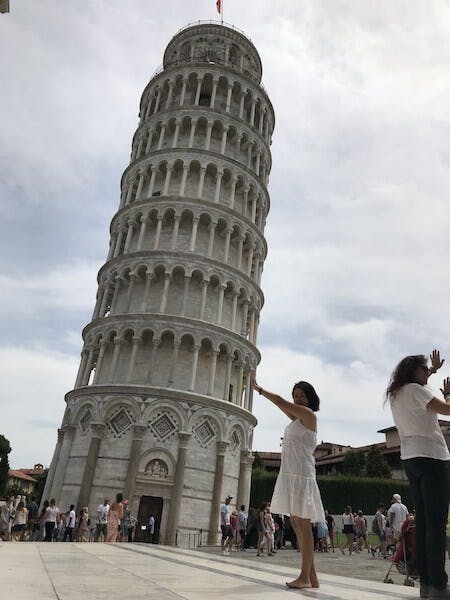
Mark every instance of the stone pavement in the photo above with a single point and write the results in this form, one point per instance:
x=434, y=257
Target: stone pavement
x=69, y=571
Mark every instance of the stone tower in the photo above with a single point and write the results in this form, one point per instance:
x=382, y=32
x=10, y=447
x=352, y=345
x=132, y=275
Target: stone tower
x=162, y=408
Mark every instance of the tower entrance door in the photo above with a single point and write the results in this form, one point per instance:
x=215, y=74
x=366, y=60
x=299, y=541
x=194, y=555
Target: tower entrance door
x=149, y=505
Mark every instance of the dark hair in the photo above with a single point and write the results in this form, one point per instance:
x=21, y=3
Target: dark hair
x=119, y=497
x=242, y=506
x=404, y=373
x=381, y=505
x=310, y=393
x=72, y=506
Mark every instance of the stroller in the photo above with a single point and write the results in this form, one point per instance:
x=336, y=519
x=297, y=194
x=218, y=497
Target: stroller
x=404, y=557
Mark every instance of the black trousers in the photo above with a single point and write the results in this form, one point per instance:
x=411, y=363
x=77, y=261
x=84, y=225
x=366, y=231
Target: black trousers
x=68, y=532
x=49, y=529
x=429, y=481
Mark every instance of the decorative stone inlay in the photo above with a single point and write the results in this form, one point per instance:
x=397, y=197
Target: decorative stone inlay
x=85, y=422
x=157, y=468
x=163, y=426
x=235, y=442
x=120, y=423
x=205, y=432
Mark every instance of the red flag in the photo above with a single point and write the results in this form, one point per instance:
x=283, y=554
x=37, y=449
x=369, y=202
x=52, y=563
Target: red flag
x=219, y=6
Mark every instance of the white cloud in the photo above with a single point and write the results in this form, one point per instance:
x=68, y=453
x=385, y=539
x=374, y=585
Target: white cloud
x=34, y=382
x=356, y=274
x=71, y=287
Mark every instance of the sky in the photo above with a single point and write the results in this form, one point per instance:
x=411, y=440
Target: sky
x=357, y=273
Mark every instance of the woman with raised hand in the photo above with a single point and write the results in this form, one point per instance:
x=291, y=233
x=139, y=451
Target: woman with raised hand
x=296, y=491
x=426, y=461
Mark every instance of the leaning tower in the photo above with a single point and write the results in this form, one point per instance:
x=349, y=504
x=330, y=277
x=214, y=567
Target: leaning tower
x=162, y=407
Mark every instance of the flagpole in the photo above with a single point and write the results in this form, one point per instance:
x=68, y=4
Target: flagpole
x=221, y=14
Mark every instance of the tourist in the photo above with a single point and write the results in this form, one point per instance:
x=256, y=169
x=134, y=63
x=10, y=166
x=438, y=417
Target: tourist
x=296, y=491
x=397, y=515
x=263, y=531
x=425, y=458
x=225, y=527
x=115, y=515
x=20, y=522
x=271, y=528
x=379, y=528
x=251, y=538
x=330, y=525
x=51, y=518
x=130, y=521
x=70, y=524
x=242, y=527
x=102, y=520
x=83, y=525
x=33, y=520
x=361, y=532
x=348, y=529
x=151, y=528
x=322, y=536
x=45, y=505
x=4, y=522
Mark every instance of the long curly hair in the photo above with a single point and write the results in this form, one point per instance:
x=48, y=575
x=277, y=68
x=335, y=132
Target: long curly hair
x=404, y=373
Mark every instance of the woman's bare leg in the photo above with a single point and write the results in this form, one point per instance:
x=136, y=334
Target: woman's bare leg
x=308, y=576
x=258, y=545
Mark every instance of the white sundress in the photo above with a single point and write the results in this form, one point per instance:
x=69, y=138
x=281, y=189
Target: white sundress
x=296, y=491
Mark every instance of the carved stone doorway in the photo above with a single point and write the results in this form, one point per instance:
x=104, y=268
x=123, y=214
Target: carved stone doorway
x=148, y=505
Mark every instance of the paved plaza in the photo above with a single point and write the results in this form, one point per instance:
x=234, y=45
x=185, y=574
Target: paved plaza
x=65, y=571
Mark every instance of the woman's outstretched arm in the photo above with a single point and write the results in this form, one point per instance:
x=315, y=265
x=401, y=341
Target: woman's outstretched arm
x=293, y=411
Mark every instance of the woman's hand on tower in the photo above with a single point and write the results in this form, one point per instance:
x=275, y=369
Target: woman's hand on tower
x=253, y=383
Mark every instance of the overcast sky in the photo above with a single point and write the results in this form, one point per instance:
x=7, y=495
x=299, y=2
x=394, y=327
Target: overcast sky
x=357, y=274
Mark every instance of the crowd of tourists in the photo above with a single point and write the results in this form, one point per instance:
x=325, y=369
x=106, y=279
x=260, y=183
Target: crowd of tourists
x=268, y=532
x=23, y=521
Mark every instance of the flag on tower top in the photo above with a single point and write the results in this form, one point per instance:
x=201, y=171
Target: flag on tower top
x=219, y=6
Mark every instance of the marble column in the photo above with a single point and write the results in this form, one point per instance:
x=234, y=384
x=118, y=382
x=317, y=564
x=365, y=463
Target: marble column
x=139, y=430
x=245, y=471
x=212, y=372
x=194, y=368
x=58, y=480
x=98, y=430
x=134, y=350
x=177, y=490
x=226, y=389
x=159, y=219
x=217, y=493
x=52, y=469
x=173, y=363
x=100, y=357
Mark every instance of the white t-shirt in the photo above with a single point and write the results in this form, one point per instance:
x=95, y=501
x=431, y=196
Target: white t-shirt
x=399, y=513
x=102, y=512
x=224, y=515
x=51, y=514
x=242, y=520
x=418, y=428
x=72, y=519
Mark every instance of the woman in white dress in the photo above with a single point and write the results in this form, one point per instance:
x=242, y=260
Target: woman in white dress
x=296, y=492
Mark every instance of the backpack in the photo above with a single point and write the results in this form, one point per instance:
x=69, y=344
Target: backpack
x=375, y=526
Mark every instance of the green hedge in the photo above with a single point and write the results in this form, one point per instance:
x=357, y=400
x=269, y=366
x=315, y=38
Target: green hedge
x=337, y=491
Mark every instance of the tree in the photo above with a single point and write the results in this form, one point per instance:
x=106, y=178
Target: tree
x=5, y=449
x=257, y=462
x=354, y=463
x=377, y=465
